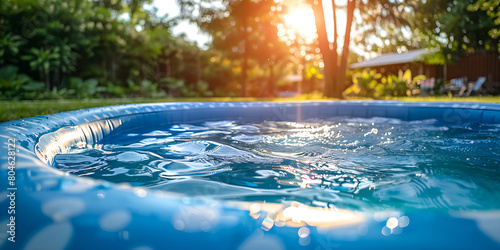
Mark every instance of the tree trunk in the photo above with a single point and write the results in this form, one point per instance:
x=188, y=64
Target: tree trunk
x=271, y=80
x=42, y=78
x=104, y=71
x=330, y=57
x=335, y=33
x=113, y=68
x=57, y=77
x=198, y=68
x=168, y=66
x=244, y=64
x=341, y=86
x=47, y=80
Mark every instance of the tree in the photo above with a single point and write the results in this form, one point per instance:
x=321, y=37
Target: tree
x=335, y=67
x=55, y=41
x=492, y=9
x=237, y=28
x=373, y=13
x=452, y=29
x=43, y=61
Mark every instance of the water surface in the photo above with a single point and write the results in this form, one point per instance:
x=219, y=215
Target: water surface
x=353, y=163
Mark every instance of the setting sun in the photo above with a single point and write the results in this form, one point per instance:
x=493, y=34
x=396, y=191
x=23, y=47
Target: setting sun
x=299, y=21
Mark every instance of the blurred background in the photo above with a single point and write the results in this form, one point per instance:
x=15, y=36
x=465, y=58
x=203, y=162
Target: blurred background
x=87, y=53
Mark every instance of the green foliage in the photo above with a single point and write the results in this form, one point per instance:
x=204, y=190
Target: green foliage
x=15, y=86
x=84, y=89
x=42, y=61
x=364, y=83
x=113, y=90
x=61, y=42
x=171, y=83
x=492, y=8
x=243, y=36
x=200, y=89
x=452, y=28
x=371, y=84
x=9, y=46
x=55, y=94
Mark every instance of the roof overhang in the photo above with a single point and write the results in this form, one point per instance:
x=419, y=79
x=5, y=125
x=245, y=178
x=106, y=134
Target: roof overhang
x=391, y=58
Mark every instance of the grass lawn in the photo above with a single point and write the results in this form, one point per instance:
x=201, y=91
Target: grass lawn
x=13, y=110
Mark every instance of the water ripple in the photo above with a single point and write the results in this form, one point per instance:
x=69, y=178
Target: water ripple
x=355, y=163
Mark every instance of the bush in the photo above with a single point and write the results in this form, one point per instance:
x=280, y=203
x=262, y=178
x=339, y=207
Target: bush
x=84, y=89
x=17, y=86
x=369, y=83
x=364, y=83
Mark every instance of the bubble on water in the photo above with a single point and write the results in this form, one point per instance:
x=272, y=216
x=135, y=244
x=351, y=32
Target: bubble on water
x=179, y=225
x=386, y=231
x=63, y=208
x=78, y=186
x=392, y=223
x=304, y=232
x=195, y=219
x=54, y=236
x=397, y=230
x=255, y=208
x=140, y=192
x=403, y=221
x=280, y=223
x=304, y=241
x=115, y=221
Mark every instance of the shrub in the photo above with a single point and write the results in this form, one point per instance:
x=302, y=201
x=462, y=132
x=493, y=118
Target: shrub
x=369, y=83
x=17, y=86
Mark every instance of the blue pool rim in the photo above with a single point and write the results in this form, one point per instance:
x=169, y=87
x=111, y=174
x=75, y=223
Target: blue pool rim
x=62, y=211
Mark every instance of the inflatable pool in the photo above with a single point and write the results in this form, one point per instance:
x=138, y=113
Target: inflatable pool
x=45, y=207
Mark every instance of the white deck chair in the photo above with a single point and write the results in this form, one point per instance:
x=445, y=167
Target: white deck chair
x=479, y=83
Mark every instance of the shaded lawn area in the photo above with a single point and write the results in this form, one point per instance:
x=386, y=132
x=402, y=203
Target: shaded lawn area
x=13, y=110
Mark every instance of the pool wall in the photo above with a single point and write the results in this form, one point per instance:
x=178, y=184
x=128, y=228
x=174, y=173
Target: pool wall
x=98, y=123
x=64, y=211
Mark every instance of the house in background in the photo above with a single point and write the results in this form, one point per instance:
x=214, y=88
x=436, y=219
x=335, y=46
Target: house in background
x=391, y=63
x=470, y=66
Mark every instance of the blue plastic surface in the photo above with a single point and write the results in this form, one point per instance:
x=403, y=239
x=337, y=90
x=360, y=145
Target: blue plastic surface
x=59, y=211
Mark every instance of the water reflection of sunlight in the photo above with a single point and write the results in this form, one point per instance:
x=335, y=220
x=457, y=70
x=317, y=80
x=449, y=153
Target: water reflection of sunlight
x=299, y=215
x=302, y=134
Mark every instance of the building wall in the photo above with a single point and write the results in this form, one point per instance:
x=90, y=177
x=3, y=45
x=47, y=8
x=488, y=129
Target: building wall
x=470, y=66
x=475, y=66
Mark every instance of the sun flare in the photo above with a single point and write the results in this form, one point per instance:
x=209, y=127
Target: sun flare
x=299, y=22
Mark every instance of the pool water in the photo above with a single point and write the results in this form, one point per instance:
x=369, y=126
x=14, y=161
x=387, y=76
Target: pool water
x=361, y=164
